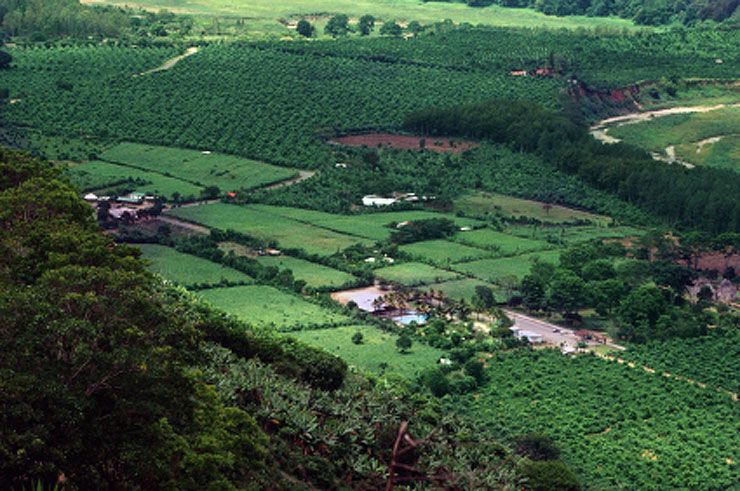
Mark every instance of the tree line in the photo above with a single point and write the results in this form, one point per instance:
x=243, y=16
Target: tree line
x=655, y=12
x=699, y=198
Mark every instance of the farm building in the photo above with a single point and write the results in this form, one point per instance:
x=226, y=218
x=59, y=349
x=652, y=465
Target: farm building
x=519, y=73
x=375, y=200
x=531, y=336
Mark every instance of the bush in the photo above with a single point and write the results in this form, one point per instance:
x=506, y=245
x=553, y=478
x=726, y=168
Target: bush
x=549, y=475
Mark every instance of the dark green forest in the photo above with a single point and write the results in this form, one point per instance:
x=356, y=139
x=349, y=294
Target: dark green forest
x=648, y=12
x=702, y=198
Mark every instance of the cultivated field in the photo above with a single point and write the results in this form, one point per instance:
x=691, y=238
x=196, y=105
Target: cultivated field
x=404, y=142
x=376, y=226
x=464, y=289
x=315, y=275
x=500, y=243
x=105, y=176
x=692, y=136
x=493, y=270
x=227, y=172
x=261, y=15
x=287, y=233
x=377, y=353
x=414, y=274
x=510, y=207
x=265, y=306
x=443, y=252
x=187, y=270
x=568, y=235
x=619, y=427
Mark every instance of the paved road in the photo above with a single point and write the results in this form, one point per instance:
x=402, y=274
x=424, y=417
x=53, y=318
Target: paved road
x=551, y=333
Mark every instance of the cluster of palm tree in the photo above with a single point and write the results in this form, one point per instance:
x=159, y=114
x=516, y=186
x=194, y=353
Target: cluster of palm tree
x=433, y=303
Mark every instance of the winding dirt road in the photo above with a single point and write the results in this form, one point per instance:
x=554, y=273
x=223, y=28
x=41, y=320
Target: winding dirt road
x=169, y=64
x=600, y=130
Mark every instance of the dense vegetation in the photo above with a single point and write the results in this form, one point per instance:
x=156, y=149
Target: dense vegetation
x=109, y=380
x=652, y=13
x=695, y=198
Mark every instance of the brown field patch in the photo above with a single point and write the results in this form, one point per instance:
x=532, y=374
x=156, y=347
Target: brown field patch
x=405, y=142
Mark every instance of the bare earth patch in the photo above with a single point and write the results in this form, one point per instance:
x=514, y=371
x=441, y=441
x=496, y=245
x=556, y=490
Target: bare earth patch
x=405, y=142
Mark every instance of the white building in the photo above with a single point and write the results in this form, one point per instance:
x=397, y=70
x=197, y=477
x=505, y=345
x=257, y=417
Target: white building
x=375, y=200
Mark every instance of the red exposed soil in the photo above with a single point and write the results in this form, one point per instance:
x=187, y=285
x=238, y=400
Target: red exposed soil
x=718, y=261
x=404, y=142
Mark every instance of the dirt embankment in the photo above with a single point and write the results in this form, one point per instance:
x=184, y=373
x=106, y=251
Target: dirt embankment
x=404, y=142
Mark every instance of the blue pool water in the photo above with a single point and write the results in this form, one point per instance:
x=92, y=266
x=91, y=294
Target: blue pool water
x=407, y=319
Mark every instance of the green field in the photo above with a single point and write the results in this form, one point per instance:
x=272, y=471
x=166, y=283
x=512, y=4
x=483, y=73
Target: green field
x=376, y=226
x=493, y=270
x=510, y=207
x=227, y=172
x=188, y=270
x=465, y=289
x=564, y=234
x=377, y=347
x=684, y=130
x=724, y=153
x=315, y=275
x=414, y=274
x=287, y=233
x=265, y=306
x=500, y=243
x=443, y=252
x=619, y=427
x=104, y=176
x=261, y=15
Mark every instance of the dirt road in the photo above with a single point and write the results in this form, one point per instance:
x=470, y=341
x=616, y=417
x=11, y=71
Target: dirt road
x=167, y=65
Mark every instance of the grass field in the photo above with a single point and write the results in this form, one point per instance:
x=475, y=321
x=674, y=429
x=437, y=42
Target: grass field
x=571, y=234
x=464, y=289
x=686, y=129
x=97, y=175
x=227, y=172
x=188, y=270
x=315, y=275
x=414, y=274
x=724, y=153
x=377, y=347
x=500, y=243
x=261, y=16
x=508, y=206
x=443, y=252
x=287, y=233
x=265, y=306
x=371, y=225
x=492, y=270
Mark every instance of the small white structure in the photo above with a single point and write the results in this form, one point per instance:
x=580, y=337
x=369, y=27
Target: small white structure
x=466, y=229
x=370, y=260
x=340, y=166
x=375, y=200
x=531, y=336
x=91, y=197
x=206, y=152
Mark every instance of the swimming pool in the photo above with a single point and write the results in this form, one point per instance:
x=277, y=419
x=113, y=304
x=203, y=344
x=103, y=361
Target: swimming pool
x=410, y=317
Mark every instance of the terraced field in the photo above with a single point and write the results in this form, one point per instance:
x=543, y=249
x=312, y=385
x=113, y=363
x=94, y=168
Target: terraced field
x=265, y=306
x=187, y=270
